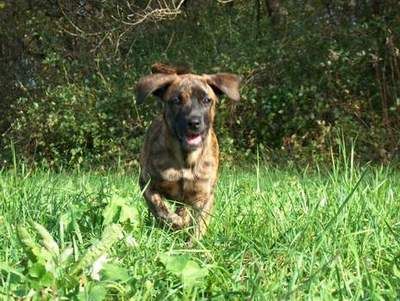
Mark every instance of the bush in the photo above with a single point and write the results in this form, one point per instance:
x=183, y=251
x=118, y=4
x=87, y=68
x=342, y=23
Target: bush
x=310, y=77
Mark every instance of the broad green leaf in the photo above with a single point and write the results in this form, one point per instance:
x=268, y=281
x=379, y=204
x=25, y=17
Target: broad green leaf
x=187, y=270
x=193, y=274
x=37, y=270
x=119, y=211
x=128, y=213
x=97, y=293
x=174, y=263
x=113, y=272
x=93, y=293
x=47, y=279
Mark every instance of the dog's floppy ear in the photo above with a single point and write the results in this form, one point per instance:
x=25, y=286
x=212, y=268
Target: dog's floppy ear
x=155, y=84
x=225, y=83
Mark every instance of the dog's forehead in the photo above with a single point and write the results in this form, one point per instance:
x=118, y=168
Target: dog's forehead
x=189, y=83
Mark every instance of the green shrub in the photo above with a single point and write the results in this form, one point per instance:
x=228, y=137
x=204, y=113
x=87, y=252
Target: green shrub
x=318, y=74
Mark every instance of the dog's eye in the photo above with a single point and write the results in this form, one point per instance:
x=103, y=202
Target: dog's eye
x=207, y=99
x=176, y=100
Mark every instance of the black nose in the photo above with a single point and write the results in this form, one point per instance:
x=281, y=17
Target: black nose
x=194, y=123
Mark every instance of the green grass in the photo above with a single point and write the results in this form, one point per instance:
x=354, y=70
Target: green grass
x=275, y=234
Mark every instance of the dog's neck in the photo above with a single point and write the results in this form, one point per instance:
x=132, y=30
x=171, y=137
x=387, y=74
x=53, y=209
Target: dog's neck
x=193, y=156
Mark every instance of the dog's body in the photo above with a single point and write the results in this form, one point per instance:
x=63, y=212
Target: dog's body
x=180, y=156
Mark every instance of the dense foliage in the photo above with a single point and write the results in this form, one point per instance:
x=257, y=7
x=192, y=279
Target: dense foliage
x=314, y=74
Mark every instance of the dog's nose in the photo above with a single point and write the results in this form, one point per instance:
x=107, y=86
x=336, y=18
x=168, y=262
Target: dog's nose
x=194, y=123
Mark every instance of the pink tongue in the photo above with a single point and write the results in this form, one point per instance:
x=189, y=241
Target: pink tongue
x=194, y=140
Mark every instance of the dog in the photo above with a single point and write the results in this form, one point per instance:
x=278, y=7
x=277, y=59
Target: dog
x=180, y=156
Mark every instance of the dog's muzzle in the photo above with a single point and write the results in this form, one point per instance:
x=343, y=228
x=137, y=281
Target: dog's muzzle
x=195, y=132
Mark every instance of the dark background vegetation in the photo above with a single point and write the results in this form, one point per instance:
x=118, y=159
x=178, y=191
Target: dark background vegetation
x=316, y=75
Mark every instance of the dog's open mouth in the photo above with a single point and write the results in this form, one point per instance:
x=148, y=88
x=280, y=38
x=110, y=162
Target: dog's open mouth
x=194, y=139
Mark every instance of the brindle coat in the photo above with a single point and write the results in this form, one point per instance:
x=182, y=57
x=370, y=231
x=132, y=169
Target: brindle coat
x=180, y=156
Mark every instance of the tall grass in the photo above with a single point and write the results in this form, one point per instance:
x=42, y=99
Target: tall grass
x=276, y=233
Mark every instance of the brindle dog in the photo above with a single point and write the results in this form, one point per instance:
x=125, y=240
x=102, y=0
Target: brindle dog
x=180, y=156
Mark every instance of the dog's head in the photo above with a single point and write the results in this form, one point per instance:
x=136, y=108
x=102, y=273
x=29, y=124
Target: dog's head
x=189, y=101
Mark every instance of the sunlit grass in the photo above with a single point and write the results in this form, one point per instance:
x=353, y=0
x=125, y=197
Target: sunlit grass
x=275, y=234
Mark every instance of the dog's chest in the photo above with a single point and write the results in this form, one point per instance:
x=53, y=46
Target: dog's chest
x=184, y=184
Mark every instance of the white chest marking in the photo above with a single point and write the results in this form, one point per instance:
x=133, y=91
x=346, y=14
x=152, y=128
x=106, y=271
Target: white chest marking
x=173, y=175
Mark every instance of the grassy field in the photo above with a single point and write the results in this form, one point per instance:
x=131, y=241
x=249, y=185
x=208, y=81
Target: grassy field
x=275, y=234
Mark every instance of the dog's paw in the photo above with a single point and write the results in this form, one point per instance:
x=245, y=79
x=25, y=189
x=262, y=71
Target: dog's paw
x=175, y=221
x=183, y=212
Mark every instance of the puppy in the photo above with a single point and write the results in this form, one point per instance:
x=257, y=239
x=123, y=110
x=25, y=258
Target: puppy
x=180, y=156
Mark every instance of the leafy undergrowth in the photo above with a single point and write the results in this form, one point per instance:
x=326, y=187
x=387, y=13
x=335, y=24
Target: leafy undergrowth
x=275, y=234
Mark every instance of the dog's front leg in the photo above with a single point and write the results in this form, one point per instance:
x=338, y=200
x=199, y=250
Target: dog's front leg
x=203, y=210
x=160, y=210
